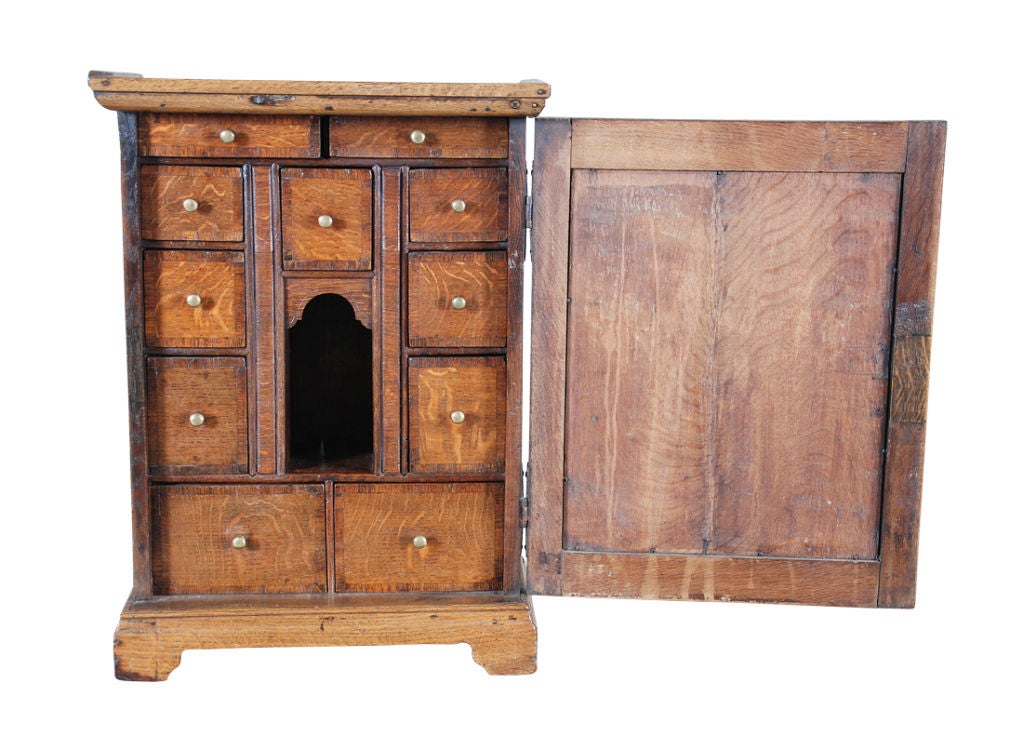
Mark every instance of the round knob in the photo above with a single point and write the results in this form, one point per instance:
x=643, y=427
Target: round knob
x=193, y=300
x=458, y=205
x=190, y=205
x=240, y=542
x=458, y=302
x=457, y=417
x=196, y=419
x=419, y=541
x=325, y=220
x=417, y=137
x=227, y=136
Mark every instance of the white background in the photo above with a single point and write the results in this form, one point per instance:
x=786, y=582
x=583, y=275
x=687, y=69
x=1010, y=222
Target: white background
x=604, y=666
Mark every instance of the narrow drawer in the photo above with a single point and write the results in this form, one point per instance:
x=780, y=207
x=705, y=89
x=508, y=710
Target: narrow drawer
x=458, y=205
x=249, y=136
x=419, y=137
x=197, y=418
x=192, y=203
x=458, y=299
x=418, y=537
x=327, y=219
x=239, y=539
x=457, y=414
x=194, y=299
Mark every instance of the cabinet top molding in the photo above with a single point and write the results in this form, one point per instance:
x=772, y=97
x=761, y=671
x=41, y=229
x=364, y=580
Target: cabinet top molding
x=133, y=92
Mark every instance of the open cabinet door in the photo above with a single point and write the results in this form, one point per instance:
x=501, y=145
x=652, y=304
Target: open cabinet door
x=730, y=347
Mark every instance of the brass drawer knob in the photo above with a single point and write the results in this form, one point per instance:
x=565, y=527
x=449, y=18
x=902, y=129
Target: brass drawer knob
x=457, y=417
x=190, y=205
x=458, y=302
x=193, y=300
x=419, y=541
x=196, y=419
x=325, y=220
x=417, y=137
x=240, y=542
x=227, y=135
x=458, y=205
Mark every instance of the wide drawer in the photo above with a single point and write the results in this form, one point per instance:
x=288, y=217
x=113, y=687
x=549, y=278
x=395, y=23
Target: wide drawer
x=458, y=299
x=239, y=539
x=458, y=205
x=192, y=203
x=418, y=137
x=194, y=298
x=249, y=136
x=197, y=417
x=457, y=414
x=418, y=537
x=327, y=219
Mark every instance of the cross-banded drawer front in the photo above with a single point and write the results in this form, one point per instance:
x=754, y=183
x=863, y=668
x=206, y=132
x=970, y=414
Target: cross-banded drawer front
x=458, y=205
x=418, y=537
x=239, y=539
x=327, y=219
x=418, y=137
x=197, y=419
x=458, y=299
x=251, y=136
x=457, y=414
x=192, y=203
x=194, y=298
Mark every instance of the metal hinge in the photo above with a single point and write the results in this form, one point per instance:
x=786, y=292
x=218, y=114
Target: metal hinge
x=524, y=500
x=529, y=212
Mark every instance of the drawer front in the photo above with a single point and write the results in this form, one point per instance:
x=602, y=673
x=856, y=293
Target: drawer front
x=327, y=219
x=458, y=205
x=239, y=539
x=419, y=137
x=194, y=299
x=197, y=417
x=458, y=299
x=249, y=136
x=418, y=537
x=192, y=203
x=457, y=414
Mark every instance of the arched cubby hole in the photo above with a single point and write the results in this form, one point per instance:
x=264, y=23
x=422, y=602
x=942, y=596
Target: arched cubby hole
x=330, y=388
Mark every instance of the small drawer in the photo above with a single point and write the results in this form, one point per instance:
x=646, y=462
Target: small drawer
x=327, y=219
x=194, y=299
x=192, y=203
x=418, y=537
x=457, y=414
x=458, y=205
x=418, y=137
x=248, y=136
x=197, y=417
x=239, y=539
x=457, y=299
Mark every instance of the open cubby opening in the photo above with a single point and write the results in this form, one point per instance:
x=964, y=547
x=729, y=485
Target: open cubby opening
x=330, y=388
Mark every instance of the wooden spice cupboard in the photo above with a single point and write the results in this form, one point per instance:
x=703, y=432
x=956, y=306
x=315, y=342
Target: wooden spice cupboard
x=324, y=288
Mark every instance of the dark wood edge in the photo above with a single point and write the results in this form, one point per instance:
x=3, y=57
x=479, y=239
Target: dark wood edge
x=907, y=413
x=551, y=182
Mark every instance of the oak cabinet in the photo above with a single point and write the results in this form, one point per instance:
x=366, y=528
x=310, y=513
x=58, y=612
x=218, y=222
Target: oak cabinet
x=730, y=341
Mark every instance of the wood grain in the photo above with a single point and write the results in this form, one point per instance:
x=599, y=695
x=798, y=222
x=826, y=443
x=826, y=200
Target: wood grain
x=177, y=387
x=299, y=292
x=346, y=195
x=391, y=316
x=264, y=328
x=738, y=146
x=218, y=278
x=484, y=192
x=194, y=527
x=256, y=136
x=390, y=137
x=218, y=191
x=375, y=526
x=152, y=634
x=481, y=279
x=699, y=577
x=440, y=386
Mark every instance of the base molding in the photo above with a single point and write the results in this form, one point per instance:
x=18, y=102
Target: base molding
x=152, y=634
